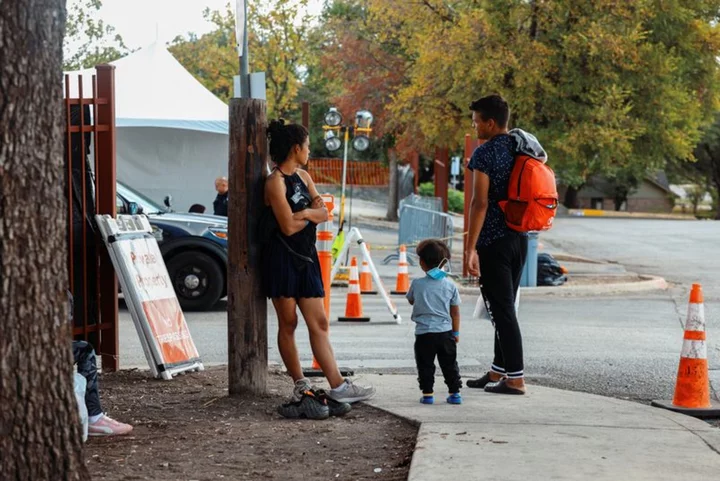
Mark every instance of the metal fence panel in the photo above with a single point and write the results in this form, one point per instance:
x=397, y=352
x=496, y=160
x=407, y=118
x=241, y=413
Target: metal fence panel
x=430, y=203
x=418, y=224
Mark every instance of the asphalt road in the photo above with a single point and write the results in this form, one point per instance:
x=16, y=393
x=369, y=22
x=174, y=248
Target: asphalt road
x=622, y=346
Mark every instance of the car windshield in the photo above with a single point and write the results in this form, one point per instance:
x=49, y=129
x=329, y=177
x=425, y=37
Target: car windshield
x=147, y=205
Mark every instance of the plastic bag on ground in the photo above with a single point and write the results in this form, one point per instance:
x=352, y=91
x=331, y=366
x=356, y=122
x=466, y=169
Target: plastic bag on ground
x=481, y=312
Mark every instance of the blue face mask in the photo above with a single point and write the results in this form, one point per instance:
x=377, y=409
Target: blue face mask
x=439, y=271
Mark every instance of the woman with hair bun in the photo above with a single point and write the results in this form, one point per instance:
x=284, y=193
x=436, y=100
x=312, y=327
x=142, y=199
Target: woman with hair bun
x=292, y=279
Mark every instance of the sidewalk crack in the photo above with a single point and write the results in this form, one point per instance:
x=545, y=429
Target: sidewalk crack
x=712, y=448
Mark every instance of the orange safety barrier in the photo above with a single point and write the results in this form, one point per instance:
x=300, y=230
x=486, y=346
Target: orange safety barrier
x=329, y=171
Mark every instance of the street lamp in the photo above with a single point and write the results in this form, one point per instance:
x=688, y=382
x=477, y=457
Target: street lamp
x=361, y=141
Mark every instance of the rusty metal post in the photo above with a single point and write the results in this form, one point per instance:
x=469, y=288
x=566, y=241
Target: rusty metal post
x=105, y=202
x=247, y=307
x=442, y=156
x=306, y=115
x=415, y=166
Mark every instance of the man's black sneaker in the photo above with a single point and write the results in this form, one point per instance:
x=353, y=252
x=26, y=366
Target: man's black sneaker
x=308, y=407
x=336, y=408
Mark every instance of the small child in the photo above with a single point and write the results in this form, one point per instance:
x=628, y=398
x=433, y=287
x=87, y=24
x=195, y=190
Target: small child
x=436, y=311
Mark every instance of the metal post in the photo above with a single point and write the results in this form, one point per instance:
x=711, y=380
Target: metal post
x=344, y=176
x=244, y=63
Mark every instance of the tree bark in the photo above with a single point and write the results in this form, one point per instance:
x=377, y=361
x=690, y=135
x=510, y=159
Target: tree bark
x=247, y=307
x=715, y=175
x=40, y=436
x=393, y=197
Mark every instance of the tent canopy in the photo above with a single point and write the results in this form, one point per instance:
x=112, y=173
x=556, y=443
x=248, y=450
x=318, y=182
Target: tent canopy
x=172, y=133
x=152, y=89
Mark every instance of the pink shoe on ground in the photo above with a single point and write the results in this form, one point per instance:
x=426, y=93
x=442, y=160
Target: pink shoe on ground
x=107, y=426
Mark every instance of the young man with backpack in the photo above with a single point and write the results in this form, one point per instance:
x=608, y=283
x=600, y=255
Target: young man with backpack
x=496, y=253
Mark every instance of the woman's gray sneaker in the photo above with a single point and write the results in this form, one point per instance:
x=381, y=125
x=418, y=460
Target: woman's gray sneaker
x=309, y=407
x=349, y=392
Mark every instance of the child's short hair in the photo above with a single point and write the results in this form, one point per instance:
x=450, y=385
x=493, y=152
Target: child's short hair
x=432, y=252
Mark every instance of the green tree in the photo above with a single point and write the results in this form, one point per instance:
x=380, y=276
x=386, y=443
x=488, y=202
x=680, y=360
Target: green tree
x=606, y=86
x=706, y=169
x=277, y=42
x=89, y=41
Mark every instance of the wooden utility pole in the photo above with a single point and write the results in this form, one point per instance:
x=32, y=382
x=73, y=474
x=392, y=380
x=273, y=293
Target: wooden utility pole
x=442, y=163
x=247, y=307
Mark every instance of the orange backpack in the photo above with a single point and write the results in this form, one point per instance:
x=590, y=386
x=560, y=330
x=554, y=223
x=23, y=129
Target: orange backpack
x=532, y=196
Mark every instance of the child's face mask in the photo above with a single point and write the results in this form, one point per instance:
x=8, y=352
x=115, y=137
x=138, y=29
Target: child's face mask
x=440, y=271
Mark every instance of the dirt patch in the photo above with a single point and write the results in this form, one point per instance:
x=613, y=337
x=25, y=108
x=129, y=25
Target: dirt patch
x=189, y=429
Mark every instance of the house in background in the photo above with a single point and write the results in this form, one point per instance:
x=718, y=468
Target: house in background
x=652, y=195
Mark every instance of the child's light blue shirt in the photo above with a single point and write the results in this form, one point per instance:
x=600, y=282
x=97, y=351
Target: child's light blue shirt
x=431, y=300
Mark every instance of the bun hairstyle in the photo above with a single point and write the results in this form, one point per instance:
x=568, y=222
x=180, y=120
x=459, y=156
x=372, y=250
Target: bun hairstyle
x=283, y=137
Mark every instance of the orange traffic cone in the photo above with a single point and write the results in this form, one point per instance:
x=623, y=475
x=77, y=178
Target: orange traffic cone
x=366, y=285
x=353, y=306
x=692, y=389
x=403, y=278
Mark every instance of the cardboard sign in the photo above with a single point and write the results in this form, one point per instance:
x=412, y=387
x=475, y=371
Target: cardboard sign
x=149, y=295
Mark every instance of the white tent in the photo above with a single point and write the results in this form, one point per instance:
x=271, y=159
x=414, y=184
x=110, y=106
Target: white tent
x=172, y=133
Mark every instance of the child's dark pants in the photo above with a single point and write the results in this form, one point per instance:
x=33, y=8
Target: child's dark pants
x=442, y=345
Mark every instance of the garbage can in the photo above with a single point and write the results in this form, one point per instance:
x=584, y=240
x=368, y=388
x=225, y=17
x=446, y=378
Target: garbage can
x=529, y=273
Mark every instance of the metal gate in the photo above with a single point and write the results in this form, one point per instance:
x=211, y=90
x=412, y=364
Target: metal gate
x=90, y=171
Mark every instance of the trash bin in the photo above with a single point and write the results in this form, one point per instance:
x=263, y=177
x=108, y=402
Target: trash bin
x=529, y=273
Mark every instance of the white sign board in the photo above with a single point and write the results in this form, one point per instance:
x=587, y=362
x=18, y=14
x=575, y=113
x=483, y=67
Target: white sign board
x=149, y=294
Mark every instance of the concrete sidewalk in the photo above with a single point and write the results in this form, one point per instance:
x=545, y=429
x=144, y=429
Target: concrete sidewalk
x=548, y=434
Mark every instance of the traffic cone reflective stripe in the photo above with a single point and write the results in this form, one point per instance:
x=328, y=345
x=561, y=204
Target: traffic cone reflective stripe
x=353, y=306
x=403, y=278
x=692, y=389
x=366, y=285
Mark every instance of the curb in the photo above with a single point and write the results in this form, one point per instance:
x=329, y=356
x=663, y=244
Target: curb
x=574, y=258
x=626, y=215
x=648, y=283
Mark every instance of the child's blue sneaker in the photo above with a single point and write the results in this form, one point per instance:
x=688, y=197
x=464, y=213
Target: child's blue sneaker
x=455, y=398
x=427, y=399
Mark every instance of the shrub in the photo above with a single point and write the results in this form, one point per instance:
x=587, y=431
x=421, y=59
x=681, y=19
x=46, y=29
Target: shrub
x=426, y=189
x=456, y=201
x=456, y=198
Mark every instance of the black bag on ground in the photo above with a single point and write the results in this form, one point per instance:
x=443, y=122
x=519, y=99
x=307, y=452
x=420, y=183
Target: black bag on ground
x=549, y=271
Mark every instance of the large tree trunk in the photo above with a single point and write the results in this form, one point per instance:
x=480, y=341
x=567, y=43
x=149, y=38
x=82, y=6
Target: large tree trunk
x=571, y=197
x=715, y=166
x=40, y=436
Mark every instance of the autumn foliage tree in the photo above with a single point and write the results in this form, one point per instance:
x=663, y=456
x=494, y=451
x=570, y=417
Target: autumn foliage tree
x=605, y=85
x=277, y=41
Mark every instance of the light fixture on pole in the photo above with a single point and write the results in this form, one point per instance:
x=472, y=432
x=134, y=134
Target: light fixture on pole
x=361, y=141
x=332, y=141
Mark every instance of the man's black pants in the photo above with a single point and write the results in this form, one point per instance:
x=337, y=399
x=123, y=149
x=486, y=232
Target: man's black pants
x=501, y=265
x=442, y=345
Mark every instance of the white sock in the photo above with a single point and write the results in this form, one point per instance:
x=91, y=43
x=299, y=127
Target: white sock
x=94, y=419
x=342, y=387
